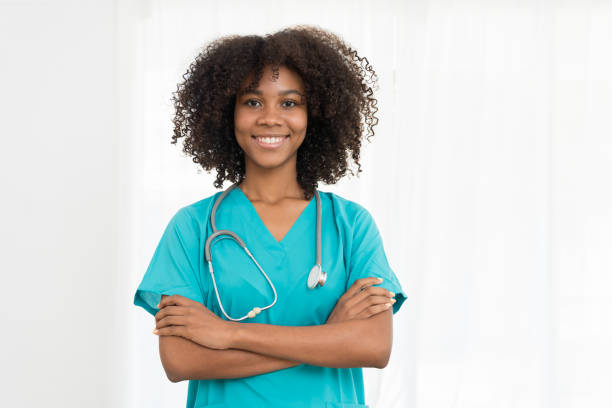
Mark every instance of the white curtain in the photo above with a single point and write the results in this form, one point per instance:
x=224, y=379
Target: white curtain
x=488, y=178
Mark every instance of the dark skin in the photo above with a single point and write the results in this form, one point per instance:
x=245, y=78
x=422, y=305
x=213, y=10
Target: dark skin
x=270, y=125
x=184, y=358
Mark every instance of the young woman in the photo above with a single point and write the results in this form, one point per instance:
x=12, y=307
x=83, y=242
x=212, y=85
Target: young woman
x=291, y=320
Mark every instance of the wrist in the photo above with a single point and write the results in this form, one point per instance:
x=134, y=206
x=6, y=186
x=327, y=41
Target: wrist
x=235, y=331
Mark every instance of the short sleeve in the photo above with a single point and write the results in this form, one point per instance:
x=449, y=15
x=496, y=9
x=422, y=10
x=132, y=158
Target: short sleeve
x=368, y=257
x=174, y=268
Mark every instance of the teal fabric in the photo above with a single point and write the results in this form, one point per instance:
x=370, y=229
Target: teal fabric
x=352, y=248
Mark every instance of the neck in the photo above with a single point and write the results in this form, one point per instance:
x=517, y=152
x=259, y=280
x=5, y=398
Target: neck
x=271, y=185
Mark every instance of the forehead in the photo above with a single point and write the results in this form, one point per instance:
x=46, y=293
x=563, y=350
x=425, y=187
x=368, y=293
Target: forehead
x=285, y=78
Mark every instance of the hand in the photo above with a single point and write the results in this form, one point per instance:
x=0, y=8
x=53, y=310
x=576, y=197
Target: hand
x=183, y=317
x=361, y=301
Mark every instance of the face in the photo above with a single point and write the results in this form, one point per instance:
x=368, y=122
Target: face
x=270, y=122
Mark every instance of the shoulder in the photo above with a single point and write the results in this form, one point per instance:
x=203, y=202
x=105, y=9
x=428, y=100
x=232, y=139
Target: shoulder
x=345, y=209
x=354, y=222
x=196, y=213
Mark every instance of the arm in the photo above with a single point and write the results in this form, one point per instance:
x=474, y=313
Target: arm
x=183, y=359
x=355, y=343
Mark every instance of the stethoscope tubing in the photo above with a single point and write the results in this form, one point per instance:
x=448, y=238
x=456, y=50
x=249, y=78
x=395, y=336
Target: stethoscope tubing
x=316, y=276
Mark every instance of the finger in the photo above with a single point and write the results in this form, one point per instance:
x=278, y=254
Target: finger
x=162, y=298
x=372, y=301
x=174, y=300
x=356, y=289
x=373, y=310
x=170, y=331
x=366, y=292
x=374, y=291
x=360, y=283
x=171, y=321
x=171, y=311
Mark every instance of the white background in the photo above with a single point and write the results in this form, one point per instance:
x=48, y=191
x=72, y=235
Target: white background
x=489, y=178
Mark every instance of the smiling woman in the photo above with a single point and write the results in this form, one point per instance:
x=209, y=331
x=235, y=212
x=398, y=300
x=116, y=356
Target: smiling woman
x=275, y=115
x=336, y=86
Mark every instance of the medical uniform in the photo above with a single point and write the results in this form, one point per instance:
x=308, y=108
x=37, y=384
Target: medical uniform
x=352, y=248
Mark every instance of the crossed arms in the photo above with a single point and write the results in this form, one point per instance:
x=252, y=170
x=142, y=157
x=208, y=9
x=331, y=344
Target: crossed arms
x=263, y=348
x=253, y=348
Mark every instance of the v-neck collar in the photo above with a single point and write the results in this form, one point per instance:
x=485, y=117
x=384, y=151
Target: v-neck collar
x=265, y=231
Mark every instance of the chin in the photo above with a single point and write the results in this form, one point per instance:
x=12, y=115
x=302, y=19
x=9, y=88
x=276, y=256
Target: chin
x=268, y=165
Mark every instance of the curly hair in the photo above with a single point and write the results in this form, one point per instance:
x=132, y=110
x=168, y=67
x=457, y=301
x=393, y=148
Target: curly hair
x=338, y=86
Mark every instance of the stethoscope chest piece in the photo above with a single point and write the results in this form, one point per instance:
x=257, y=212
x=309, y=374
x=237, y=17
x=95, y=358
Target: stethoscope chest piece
x=316, y=277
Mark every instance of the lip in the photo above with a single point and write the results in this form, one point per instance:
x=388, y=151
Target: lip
x=270, y=146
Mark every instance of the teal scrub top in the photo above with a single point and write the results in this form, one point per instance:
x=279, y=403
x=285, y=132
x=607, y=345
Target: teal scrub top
x=352, y=248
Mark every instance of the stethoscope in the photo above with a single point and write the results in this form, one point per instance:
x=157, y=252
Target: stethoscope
x=315, y=277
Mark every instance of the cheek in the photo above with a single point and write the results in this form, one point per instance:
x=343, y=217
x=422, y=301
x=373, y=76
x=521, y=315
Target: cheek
x=299, y=123
x=241, y=122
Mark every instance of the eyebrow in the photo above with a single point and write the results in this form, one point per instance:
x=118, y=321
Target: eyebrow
x=281, y=93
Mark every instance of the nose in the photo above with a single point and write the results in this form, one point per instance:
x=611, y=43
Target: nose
x=269, y=117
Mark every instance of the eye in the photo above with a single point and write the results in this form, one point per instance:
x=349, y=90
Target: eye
x=248, y=102
x=291, y=102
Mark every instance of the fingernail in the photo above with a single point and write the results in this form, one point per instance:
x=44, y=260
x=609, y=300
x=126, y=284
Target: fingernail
x=392, y=300
x=391, y=294
x=155, y=331
x=388, y=305
x=158, y=305
x=380, y=279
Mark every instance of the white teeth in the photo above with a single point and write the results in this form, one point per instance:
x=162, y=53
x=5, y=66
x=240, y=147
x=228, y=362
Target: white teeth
x=271, y=140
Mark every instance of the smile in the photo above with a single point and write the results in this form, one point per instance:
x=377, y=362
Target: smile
x=270, y=142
